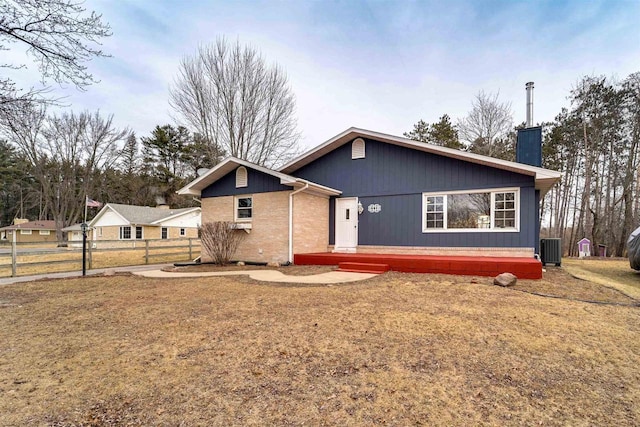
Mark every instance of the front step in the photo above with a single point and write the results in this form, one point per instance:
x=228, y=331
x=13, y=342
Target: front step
x=362, y=267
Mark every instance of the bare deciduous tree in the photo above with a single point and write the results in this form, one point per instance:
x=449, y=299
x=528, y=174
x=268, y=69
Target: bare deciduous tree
x=487, y=123
x=227, y=94
x=66, y=154
x=220, y=240
x=58, y=36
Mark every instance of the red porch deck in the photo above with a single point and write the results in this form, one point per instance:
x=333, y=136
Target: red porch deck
x=523, y=268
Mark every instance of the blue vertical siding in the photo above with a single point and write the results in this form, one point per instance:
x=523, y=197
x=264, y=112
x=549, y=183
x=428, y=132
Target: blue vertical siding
x=257, y=182
x=395, y=177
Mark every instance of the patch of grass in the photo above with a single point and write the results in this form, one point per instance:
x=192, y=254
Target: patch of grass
x=399, y=349
x=608, y=272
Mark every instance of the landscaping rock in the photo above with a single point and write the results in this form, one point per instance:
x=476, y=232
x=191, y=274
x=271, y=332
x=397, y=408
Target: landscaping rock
x=240, y=263
x=273, y=264
x=505, y=279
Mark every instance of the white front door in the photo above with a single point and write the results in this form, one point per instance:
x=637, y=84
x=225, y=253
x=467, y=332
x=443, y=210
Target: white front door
x=346, y=224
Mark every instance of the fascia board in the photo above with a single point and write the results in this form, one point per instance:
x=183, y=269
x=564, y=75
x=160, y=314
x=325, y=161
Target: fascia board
x=177, y=215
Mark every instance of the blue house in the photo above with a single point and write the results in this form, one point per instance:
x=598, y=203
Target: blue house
x=366, y=192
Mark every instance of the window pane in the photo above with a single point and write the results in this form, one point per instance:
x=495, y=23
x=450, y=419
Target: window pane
x=505, y=211
x=434, y=212
x=244, y=208
x=138, y=232
x=468, y=210
x=244, y=213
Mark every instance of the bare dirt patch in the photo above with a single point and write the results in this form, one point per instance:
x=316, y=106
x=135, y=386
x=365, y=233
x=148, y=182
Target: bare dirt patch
x=400, y=349
x=291, y=270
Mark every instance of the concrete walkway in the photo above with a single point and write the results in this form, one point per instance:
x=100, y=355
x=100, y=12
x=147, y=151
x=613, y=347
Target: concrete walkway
x=73, y=274
x=265, y=276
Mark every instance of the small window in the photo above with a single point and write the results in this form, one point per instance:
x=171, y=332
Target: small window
x=99, y=231
x=357, y=149
x=435, y=212
x=25, y=231
x=244, y=209
x=505, y=210
x=183, y=231
x=45, y=232
x=138, y=232
x=241, y=177
x=164, y=233
x=125, y=232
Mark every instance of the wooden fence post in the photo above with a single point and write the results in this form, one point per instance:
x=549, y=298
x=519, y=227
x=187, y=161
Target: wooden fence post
x=14, y=254
x=190, y=250
x=90, y=255
x=146, y=251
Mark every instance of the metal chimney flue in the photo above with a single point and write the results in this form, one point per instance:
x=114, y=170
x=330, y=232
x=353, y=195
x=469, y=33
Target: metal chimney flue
x=529, y=87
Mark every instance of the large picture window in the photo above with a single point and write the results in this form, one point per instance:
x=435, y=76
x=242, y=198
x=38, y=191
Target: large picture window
x=244, y=208
x=476, y=210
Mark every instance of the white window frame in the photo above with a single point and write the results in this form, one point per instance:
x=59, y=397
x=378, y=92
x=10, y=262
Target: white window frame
x=164, y=233
x=44, y=232
x=134, y=235
x=183, y=232
x=122, y=227
x=236, y=207
x=99, y=231
x=26, y=232
x=492, y=228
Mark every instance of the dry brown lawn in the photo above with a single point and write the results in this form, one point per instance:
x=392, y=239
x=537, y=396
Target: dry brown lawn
x=399, y=349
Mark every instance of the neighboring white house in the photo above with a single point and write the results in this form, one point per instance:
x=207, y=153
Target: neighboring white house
x=74, y=235
x=127, y=222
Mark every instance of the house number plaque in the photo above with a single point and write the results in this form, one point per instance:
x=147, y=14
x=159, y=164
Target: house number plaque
x=374, y=208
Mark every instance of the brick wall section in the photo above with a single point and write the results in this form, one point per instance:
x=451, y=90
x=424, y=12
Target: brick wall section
x=268, y=240
x=310, y=223
x=108, y=233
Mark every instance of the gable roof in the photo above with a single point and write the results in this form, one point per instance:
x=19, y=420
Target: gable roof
x=142, y=215
x=544, y=178
x=229, y=164
x=32, y=225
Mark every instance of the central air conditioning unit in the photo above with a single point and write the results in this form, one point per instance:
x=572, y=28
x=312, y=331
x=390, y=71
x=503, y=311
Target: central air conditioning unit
x=551, y=251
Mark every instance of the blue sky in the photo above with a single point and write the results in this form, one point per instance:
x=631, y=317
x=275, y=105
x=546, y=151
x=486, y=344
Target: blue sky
x=380, y=65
